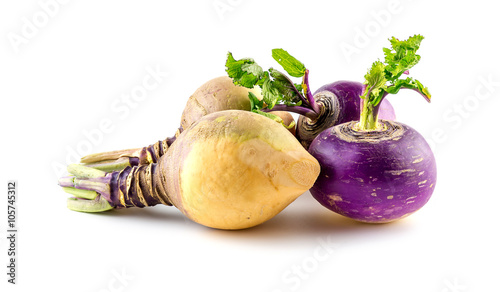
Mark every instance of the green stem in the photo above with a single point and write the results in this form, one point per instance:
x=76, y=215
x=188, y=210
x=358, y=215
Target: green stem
x=369, y=117
x=82, y=171
x=368, y=120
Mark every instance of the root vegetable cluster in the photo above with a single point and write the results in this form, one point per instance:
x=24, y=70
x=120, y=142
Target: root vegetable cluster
x=238, y=157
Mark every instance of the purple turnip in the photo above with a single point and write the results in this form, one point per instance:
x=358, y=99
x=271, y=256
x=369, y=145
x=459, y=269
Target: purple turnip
x=376, y=175
x=377, y=171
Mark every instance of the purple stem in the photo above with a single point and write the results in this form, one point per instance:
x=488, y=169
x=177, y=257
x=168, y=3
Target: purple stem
x=295, y=109
x=66, y=181
x=97, y=184
x=310, y=97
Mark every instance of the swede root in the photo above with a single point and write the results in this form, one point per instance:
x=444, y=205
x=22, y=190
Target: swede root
x=229, y=170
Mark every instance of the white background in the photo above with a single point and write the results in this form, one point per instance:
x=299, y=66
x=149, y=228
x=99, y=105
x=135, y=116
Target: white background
x=66, y=67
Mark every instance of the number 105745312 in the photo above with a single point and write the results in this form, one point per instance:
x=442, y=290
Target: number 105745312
x=11, y=204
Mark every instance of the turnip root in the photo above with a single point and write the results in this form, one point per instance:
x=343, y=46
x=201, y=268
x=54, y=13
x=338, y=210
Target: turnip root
x=377, y=170
x=215, y=95
x=373, y=176
x=229, y=170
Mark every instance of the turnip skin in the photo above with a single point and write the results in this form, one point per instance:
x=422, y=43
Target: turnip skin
x=373, y=176
x=236, y=170
x=339, y=103
x=216, y=95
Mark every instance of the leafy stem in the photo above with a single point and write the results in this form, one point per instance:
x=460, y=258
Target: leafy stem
x=383, y=78
x=279, y=92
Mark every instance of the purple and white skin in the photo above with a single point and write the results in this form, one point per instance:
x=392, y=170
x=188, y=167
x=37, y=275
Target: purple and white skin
x=374, y=170
x=373, y=176
x=339, y=103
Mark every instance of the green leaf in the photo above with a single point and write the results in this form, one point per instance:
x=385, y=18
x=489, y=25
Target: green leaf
x=409, y=83
x=244, y=72
x=270, y=94
x=299, y=88
x=375, y=81
x=384, y=77
x=252, y=68
x=402, y=56
x=255, y=103
x=286, y=88
x=291, y=65
x=276, y=87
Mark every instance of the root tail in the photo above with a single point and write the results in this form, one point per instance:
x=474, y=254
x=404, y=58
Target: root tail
x=111, y=155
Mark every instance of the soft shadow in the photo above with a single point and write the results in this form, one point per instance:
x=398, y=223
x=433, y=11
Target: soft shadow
x=311, y=220
x=304, y=218
x=163, y=214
